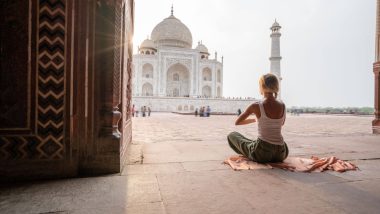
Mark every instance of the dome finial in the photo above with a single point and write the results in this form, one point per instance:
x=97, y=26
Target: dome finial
x=172, y=10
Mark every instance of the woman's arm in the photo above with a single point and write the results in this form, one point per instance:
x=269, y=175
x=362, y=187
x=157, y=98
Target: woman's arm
x=246, y=121
x=242, y=119
x=283, y=122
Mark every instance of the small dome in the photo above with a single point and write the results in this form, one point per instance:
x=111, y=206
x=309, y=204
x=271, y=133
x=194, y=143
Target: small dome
x=147, y=43
x=172, y=32
x=202, y=48
x=275, y=25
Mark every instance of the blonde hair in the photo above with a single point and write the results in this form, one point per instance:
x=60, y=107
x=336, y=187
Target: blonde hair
x=269, y=84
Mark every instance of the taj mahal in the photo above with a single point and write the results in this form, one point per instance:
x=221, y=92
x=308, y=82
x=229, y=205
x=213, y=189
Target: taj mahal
x=170, y=75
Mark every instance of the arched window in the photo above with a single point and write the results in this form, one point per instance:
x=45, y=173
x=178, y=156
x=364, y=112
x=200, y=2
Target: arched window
x=179, y=108
x=147, y=52
x=207, y=74
x=206, y=91
x=147, y=71
x=185, y=108
x=147, y=89
x=175, y=77
x=219, y=76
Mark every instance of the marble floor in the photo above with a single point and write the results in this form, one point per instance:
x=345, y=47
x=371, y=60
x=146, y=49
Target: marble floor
x=175, y=166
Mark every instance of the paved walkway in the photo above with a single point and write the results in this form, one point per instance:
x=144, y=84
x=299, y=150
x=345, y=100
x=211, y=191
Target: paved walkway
x=174, y=167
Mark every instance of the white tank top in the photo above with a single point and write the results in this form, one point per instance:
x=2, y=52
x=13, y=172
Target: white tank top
x=270, y=129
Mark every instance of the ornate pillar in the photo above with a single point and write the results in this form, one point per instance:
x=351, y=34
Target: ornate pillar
x=60, y=114
x=108, y=54
x=110, y=65
x=376, y=70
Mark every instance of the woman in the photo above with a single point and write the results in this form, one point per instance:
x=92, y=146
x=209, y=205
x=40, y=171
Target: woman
x=270, y=113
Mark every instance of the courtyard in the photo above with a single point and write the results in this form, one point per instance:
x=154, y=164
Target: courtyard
x=175, y=166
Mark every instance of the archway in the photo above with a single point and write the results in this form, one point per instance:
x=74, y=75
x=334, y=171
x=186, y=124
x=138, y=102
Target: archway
x=147, y=89
x=219, y=78
x=147, y=71
x=178, y=81
x=206, y=74
x=206, y=91
x=218, y=92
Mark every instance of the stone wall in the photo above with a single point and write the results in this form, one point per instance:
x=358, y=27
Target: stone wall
x=62, y=86
x=186, y=104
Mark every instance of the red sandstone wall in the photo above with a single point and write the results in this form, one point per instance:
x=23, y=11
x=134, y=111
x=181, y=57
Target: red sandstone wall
x=58, y=117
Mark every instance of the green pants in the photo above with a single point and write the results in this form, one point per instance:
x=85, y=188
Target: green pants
x=257, y=150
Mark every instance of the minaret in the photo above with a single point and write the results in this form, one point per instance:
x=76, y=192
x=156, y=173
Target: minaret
x=275, y=57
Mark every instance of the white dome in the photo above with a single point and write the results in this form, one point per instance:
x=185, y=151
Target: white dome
x=202, y=48
x=172, y=32
x=147, y=43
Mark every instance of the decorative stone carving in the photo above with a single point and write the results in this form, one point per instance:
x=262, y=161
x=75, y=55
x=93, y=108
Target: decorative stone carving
x=70, y=89
x=172, y=61
x=46, y=141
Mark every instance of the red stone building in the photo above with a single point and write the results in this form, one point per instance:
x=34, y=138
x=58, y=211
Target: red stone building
x=65, y=87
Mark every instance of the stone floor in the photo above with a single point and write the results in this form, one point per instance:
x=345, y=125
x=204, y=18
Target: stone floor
x=174, y=167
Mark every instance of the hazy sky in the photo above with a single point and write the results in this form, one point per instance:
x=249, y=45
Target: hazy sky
x=327, y=46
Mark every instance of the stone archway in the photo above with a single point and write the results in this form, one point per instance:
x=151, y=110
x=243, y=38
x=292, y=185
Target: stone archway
x=206, y=91
x=178, y=81
x=147, y=89
x=147, y=71
x=206, y=74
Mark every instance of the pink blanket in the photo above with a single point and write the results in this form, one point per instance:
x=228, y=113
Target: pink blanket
x=298, y=164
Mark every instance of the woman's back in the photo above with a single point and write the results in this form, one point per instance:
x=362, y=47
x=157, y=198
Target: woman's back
x=274, y=109
x=270, y=121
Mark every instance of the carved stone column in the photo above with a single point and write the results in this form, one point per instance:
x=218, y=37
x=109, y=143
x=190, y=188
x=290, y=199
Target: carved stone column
x=376, y=70
x=376, y=121
x=108, y=65
x=107, y=88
